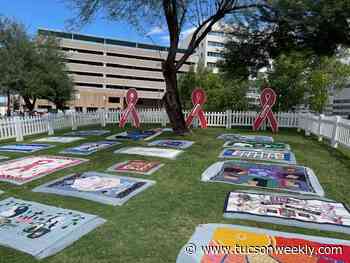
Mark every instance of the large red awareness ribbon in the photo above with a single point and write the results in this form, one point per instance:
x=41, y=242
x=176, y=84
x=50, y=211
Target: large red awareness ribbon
x=267, y=100
x=131, y=100
x=198, y=99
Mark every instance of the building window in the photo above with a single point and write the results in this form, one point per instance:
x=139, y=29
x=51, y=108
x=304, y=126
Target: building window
x=215, y=44
x=131, y=77
x=91, y=85
x=217, y=33
x=92, y=109
x=86, y=73
x=341, y=101
x=84, y=62
x=114, y=100
x=215, y=54
x=211, y=65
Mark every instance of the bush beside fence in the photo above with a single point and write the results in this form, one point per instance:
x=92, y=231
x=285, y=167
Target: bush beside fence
x=334, y=128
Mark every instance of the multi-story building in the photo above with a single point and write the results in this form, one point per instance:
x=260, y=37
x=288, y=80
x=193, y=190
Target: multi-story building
x=340, y=103
x=103, y=69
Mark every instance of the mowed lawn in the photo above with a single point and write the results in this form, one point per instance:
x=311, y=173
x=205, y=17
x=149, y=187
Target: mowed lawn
x=153, y=226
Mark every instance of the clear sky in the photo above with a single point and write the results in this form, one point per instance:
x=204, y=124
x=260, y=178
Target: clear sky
x=53, y=14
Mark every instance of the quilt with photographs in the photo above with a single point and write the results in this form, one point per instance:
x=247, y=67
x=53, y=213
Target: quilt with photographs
x=293, y=178
x=150, y=151
x=177, y=144
x=275, y=146
x=238, y=245
x=136, y=166
x=98, y=187
x=300, y=211
x=60, y=139
x=86, y=133
x=90, y=147
x=25, y=147
x=136, y=135
x=24, y=170
x=234, y=137
x=259, y=155
x=42, y=230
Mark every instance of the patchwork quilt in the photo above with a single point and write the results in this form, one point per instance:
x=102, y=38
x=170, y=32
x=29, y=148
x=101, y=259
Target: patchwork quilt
x=150, y=151
x=90, y=147
x=256, y=145
x=259, y=155
x=136, y=135
x=177, y=144
x=42, y=230
x=223, y=243
x=86, y=133
x=245, y=138
x=24, y=170
x=60, y=139
x=290, y=210
x=25, y=147
x=298, y=179
x=98, y=187
x=136, y=166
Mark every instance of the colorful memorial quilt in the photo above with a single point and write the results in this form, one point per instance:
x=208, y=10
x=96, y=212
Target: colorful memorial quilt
x=25, y=147
x=24, y=170
x=256, y=145
x=42, y=230
x=58, y=139
x=86, y=133
x=98, y=187
x=222, y=243
x=90, y=147
x=301, y=211
x=177, y=144
x=298, y=179
x=136, y=135
x=245, y=138
x=259, y=155
x=136, y=166
x=150, y=151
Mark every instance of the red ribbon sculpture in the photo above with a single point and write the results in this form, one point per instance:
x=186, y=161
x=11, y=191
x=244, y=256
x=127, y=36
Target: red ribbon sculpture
x=267, y=100
x=198, y=99
x=131, y=100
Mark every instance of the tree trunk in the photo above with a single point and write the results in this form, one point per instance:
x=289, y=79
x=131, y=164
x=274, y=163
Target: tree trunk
x=8, y=104
x=172, y=100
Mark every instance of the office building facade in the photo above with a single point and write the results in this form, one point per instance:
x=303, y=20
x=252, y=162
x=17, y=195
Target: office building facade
x=104, y=69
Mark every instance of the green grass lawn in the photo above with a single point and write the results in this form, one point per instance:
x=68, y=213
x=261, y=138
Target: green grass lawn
x=153, y=226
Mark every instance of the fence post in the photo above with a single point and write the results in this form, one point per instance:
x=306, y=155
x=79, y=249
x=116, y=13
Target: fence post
x=102, y=117
x=334, y=140
x=319, y=133
x=307, y=124
x=18, y=129
x=50, y=124
x=228, y=119
x=299, y=121
x=74, y=121
x=164, y=118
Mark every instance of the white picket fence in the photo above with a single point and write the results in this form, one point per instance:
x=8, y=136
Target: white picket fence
x=335, y=129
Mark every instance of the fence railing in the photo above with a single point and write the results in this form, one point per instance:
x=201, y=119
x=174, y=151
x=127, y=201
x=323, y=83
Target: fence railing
x=334, y=128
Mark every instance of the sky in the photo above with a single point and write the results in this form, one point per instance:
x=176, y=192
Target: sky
x=53, y=14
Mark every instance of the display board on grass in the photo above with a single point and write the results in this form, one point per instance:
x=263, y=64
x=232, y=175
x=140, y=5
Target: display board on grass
x=60, y=139
x=259, y=155
x=300, y=211
x=42, y=230
x=136, y=166
x=25, y=147
x=234, y=137
x=90, y=147
x=150, y=151
x=275, y=146
x=232, y=242
x=136, y=135
x=177, y=144
x=24, y=170
x=86, y=133
x=97, y=187
x=292, y=178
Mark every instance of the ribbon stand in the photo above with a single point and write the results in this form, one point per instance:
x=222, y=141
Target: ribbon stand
x=198, y=99
x=267, y=100
x=131, y=100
